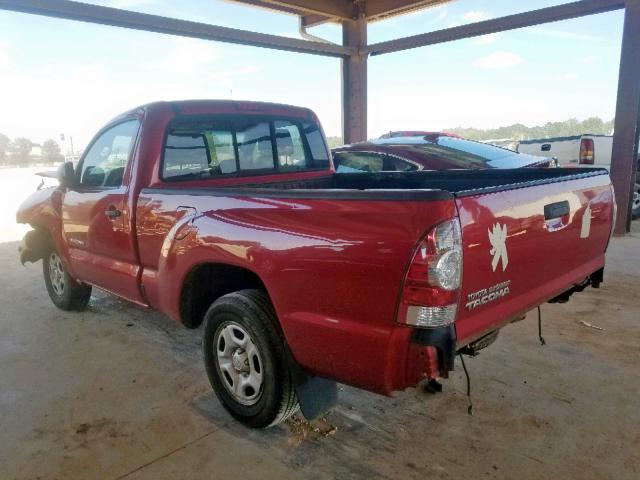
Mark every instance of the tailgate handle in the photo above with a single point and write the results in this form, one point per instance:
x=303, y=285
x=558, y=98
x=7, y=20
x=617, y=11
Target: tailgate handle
x=556, y=210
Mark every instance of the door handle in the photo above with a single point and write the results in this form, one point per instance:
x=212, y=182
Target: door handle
x=556, y=210
x=555, y=215
x=112, y=212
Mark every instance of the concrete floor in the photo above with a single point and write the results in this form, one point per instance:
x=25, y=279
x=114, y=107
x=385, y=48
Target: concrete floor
x=118, y=392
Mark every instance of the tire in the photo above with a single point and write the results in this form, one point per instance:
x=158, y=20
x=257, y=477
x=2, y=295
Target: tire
x=64, y=291
x=635, y=202
x=245, y=359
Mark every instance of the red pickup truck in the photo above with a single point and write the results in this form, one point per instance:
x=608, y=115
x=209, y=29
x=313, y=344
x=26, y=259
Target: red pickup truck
x=231, y=213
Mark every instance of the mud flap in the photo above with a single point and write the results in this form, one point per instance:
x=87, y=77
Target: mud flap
x=316, y=395
x=33, y=247
x=443, y=339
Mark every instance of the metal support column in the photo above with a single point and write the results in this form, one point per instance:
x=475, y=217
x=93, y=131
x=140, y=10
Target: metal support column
x=625, y=138
x=354, y=82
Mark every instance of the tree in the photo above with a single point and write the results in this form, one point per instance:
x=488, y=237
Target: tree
x=4, y=149
x=20, y=150
x=51, y=152
x=518, y=131
x=334, y=141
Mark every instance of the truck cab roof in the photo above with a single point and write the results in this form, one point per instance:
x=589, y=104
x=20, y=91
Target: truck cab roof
x=215, y=106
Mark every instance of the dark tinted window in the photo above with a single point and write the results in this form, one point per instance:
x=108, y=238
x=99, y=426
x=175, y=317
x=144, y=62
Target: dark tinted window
x=398, y=165
x=197, y=148
x=316, y=144
x=357, y=162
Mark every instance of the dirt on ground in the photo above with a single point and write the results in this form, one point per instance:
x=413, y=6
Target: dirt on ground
x=120, y=392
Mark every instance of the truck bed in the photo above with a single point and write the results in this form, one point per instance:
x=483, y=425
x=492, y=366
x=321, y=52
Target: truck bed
x=333, y=250
x=457, y=182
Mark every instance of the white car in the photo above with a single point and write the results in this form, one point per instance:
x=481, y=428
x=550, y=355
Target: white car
x=580, y=151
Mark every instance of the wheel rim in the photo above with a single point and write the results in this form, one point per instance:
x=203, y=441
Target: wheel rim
x=239, y=363
x=56, y=274
x=636, y=196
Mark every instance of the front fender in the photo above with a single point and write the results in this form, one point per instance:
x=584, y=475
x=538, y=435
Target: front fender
x=41, y=210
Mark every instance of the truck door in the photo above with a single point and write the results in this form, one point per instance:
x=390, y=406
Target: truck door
x=95, y=218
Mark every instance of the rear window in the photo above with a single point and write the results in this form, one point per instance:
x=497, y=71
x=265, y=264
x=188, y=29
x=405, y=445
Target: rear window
x=202, y=148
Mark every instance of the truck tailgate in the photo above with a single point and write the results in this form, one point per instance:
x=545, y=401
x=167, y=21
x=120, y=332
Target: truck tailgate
x=527, y=243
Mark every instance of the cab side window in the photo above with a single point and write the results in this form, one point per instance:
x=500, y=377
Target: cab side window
x=357, y=162
x=394, y=164
x=104, y=163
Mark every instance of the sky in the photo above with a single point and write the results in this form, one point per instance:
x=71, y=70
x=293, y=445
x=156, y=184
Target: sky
x=60, y=76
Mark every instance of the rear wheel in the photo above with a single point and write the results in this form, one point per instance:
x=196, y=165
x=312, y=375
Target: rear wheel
x=64, y=291
x=245, y=359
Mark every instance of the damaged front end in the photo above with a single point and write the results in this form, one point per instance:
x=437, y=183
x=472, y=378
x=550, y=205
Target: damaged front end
x=34, y=246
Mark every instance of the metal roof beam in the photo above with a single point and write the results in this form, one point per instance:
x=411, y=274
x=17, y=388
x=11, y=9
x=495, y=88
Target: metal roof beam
x=519, y=20
x=314, y=20
x=338, y=9
x=84, y=12
x=379, y=9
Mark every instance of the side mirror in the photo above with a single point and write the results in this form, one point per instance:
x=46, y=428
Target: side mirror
x=67, y=175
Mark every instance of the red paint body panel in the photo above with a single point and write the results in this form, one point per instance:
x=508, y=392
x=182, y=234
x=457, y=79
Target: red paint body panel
x=540, y=263
x=333, y=267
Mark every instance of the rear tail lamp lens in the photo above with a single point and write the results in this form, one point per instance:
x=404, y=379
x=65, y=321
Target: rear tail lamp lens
x=431, y=317
x=586, y=151
x=432, y=287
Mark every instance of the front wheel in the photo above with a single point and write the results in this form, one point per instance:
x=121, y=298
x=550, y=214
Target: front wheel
x=245, y=359
x=64, y=291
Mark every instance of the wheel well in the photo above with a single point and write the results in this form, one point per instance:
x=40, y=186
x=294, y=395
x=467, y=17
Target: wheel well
x=208, y=282
x=37, y=243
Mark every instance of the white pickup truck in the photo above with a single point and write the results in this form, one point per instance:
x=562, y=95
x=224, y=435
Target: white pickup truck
x=580, y=151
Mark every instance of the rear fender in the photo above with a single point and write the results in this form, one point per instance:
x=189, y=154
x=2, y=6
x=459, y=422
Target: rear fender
x=187, y=245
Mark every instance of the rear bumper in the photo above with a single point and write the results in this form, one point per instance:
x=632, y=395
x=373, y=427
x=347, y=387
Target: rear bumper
x=443, y=339
x=431, y=354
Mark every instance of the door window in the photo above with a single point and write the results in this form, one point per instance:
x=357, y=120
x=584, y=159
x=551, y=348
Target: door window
x=355, y=162
x=104, y=163
x=398, y=165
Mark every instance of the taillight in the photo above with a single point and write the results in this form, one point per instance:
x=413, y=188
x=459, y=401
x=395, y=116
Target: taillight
x=432, y=286
x=586, y=151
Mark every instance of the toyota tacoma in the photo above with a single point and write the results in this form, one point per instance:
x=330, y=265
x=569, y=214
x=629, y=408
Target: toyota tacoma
x=232, y=214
